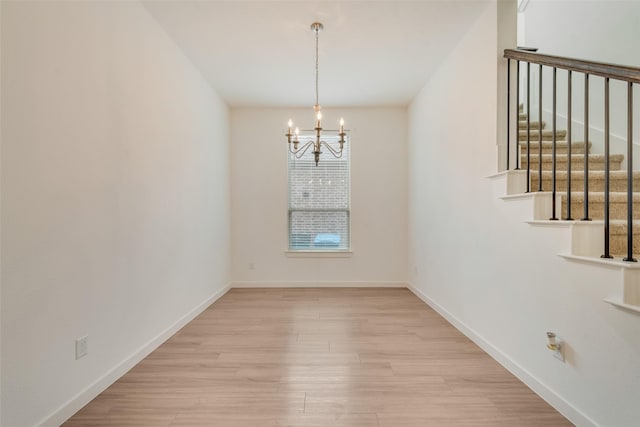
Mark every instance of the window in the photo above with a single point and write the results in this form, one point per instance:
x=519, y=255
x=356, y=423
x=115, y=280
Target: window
x=319, y=200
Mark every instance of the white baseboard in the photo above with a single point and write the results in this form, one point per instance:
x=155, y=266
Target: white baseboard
x=65, y=411
x=565, y=408
x=354, y=284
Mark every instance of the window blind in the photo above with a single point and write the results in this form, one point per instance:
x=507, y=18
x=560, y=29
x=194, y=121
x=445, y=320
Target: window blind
x=319, y=200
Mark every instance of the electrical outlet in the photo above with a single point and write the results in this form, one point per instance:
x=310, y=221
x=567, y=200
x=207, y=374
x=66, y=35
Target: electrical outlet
x=555, y=345
x=82, y=347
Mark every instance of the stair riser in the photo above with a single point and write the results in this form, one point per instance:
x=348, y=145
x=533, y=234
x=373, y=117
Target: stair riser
x=596, y=210
x=549, y=150
x=578, y=184
x=576, y=164
x=618, y=244
x=533, y=125
x=546, y=136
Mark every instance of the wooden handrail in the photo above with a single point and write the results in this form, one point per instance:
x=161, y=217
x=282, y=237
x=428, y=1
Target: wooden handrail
x=602, y=69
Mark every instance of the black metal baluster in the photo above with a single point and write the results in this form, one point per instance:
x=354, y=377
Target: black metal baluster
x=529, y=127
x=540, y=130
x=630, y=257
x=518, y=149
x=586, y=152
x=607, y=253
x=509, y=107
x=553, y=151
x=569, y=147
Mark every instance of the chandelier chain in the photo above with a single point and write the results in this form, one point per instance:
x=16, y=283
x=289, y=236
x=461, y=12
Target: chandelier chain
x=317, y=96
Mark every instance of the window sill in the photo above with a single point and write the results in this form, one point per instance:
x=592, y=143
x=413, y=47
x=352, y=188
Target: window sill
x=319, y=254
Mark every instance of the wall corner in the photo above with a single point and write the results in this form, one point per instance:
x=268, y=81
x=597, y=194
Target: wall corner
x=506, y=38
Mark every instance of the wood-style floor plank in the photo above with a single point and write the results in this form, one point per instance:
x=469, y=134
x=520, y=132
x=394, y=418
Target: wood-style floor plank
x=318, y=357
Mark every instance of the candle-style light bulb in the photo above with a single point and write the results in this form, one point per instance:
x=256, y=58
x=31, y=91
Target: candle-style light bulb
x=297, y=133
x=341, y=125
x=290, y=124
x=319, y=116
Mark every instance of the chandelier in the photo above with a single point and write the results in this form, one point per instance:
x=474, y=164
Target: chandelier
x=314, y=136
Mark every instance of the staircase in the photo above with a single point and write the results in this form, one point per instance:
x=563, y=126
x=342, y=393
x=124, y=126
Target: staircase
x=577, y=240
x=617, y=182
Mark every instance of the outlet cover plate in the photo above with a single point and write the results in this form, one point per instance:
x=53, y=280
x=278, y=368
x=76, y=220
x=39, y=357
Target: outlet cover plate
x=558, y=354
x=82, y=347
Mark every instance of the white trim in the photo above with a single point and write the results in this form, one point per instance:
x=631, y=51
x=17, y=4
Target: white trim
x=561, y=405
x=617, y=302
x=313, y=284
x=532, y=195
x=77, y=402
x=499, y=174
x=550, y=223
x=504, y=173
x=615, y=263
x=319, y=254
x=509, y=182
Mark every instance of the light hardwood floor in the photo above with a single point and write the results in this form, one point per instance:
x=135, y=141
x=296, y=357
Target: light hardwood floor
x=318, y=357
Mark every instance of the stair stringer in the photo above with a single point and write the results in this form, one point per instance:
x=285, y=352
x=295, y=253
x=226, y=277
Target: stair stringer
x=584, y=238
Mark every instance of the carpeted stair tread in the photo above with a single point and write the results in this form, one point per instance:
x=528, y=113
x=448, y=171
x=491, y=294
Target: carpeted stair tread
x=593, y=174
x=619, y=226
x=618, y=238
x=617, y=204
x=574, y=157
x=547, y=135
x=596, y=161
x=617, y=180
x=522, y=124
x=598, y=196
x=562, y=147
x=549, y=144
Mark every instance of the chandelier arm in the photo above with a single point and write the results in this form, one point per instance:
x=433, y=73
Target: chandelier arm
x=300, y=151
x=292, y=151
x=336, y=153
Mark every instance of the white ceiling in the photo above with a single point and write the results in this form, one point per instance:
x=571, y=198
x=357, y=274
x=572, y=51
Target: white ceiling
x=262, y=53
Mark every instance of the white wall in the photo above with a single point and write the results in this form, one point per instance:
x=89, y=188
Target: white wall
x=378, y=197
x=499, y=279
x=1, y=211
x=115, y=196
x=599, y=30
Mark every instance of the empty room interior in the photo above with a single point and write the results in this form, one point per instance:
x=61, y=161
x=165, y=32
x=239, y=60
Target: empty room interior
x=320, y=213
